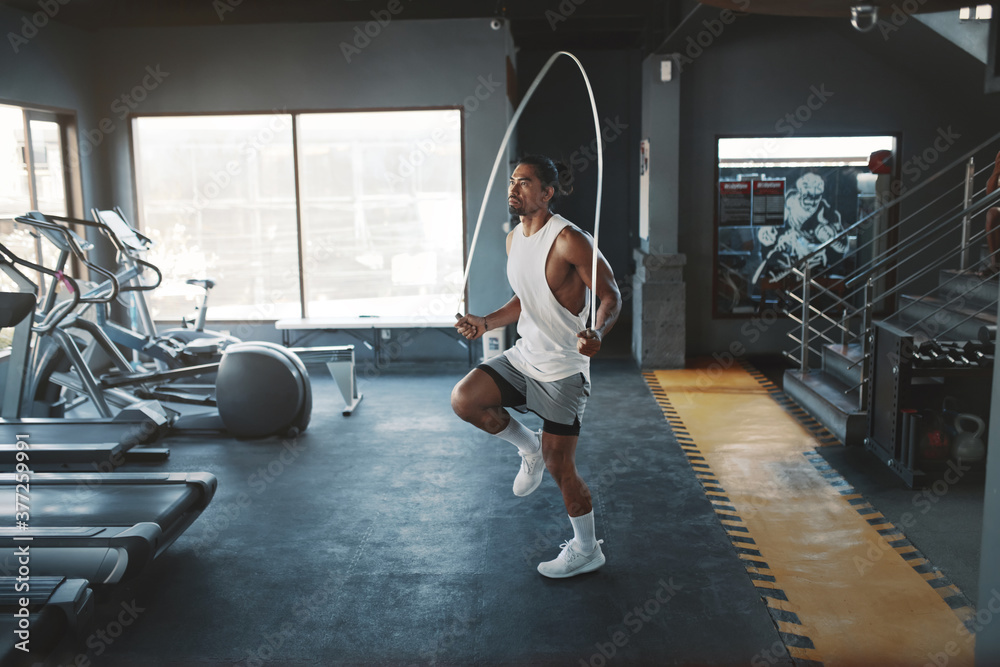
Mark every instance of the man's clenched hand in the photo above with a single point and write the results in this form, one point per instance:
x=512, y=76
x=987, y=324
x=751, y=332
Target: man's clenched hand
x=471, y=326
x=588, y=342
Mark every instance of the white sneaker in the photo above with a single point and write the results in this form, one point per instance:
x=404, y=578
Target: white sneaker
x=530, y=475
x=572, y=562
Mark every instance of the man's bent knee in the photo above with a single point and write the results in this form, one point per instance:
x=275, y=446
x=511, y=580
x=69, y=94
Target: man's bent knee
x=490, y=418
x=460, y=403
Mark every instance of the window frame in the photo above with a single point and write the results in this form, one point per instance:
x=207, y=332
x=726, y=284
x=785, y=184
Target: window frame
x=68, y=124
x=295, y=114
x=68, y=134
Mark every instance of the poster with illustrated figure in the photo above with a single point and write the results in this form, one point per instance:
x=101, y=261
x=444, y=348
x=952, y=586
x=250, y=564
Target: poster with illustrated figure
x=809, y=221
x=793, y=211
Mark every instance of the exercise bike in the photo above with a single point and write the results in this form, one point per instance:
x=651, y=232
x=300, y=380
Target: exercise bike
x=260, y=388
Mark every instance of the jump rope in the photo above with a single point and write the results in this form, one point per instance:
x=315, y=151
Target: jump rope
x=499, y=159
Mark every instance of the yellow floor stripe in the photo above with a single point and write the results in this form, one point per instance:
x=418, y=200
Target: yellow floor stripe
x=804, y=654
x=783, y=605
x=856, y=598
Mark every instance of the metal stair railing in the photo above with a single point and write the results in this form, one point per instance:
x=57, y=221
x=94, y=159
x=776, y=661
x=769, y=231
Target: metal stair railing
x=853, y=310
x=829, y=302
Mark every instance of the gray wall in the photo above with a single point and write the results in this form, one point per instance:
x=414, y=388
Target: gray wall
x=661, y=125
x=761, y=68
x=54, y=68
x=756, y=71
x=301, y=67
x=239, y=68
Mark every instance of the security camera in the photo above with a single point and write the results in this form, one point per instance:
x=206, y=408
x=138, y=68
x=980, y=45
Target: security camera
x=496, y=24
x=864, y=17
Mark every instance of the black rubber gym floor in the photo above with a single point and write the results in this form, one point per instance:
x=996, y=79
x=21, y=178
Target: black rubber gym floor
x=391, y=537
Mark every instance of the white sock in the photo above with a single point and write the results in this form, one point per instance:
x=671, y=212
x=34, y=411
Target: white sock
x=520, y=436
x=583, y=531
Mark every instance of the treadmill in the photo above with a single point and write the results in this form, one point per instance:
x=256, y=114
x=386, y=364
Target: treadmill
x=58, y=609
x=85, y=533
x=104, y=528
x=93, y=443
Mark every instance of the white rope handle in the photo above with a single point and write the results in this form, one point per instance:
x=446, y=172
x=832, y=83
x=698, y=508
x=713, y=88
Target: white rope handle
x=499, y=158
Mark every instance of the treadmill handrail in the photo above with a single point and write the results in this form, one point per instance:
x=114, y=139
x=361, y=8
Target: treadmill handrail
x=204, y=479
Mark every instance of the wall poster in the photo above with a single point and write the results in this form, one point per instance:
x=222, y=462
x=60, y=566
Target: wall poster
x=773, y=209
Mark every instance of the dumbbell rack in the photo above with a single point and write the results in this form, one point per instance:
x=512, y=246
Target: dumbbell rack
x=904, y=379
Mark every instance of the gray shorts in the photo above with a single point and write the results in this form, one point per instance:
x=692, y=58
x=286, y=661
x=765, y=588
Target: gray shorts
x=560, y=402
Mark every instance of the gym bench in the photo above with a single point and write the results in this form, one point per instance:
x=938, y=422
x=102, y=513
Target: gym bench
x=339, y=359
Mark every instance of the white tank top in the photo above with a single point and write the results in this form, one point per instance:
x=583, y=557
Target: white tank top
x=546, y=349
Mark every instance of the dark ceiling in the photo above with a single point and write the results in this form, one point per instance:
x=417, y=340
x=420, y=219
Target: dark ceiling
x=541, y=25
x=579, y=24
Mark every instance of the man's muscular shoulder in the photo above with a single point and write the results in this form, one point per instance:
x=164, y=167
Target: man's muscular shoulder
x=574, y=245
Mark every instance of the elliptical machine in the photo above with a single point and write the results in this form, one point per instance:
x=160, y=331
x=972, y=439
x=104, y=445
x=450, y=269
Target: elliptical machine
x=185, y=345
x=260, y=389
x=32, y=408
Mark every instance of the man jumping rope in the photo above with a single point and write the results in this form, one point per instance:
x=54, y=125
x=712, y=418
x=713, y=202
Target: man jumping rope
x=548, y=369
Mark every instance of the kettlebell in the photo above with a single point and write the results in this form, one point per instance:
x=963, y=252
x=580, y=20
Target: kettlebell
x=968, y=446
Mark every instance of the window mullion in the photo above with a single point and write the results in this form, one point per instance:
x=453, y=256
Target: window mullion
x=29, y=164
x=298, y=216
x=29, y=161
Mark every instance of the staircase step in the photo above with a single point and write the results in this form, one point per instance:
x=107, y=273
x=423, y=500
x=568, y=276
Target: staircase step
x=823, y=396
x=844, y=362
x=968, y=288
x=941, y=320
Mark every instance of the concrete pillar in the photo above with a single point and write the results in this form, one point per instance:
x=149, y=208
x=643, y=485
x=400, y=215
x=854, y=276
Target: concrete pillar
x=658, y=310
x=658, y=301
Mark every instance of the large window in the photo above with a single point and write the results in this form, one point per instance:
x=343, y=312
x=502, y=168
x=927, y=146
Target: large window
x=313, y=214
x=217, y=195
x=33, y=176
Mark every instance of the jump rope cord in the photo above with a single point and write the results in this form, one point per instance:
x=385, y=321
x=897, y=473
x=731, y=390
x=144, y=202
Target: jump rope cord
x=499, y=159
